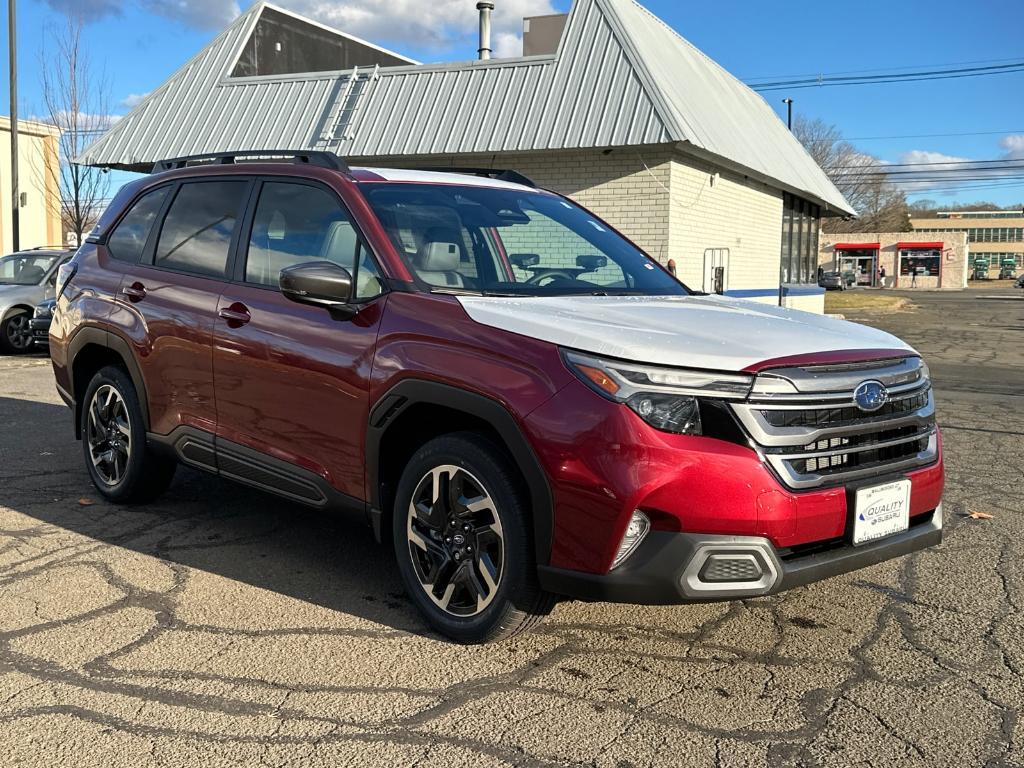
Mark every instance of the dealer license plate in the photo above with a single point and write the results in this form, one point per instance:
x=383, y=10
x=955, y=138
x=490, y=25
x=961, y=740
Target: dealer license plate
x=881, y=511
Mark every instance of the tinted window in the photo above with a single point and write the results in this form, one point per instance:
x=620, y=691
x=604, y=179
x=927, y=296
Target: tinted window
x=128, y=240
x=196, y=234
x=25, y=268
x=295, y=223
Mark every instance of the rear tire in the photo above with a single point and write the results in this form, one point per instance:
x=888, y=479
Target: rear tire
x=121, y=466
x=462, y=541
x=15, y=334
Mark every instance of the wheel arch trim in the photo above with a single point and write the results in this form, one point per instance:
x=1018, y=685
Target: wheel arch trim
x=410, y=392
x=93, y=336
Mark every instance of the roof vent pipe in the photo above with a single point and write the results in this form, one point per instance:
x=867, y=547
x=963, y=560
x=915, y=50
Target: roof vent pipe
x=485, y=9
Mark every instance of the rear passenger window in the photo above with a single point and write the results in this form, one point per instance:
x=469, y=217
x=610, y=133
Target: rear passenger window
x=128, y=239
x=296, y=223
x=196, y=234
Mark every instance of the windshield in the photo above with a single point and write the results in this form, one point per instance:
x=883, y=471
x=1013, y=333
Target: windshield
x=511, y=242
x=25, y=268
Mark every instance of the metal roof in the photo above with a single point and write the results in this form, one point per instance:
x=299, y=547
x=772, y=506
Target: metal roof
x=621, y=77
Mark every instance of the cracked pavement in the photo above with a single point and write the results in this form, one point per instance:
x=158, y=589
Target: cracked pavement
x=223, y=627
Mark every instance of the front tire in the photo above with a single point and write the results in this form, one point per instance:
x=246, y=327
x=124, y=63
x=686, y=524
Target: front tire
x=121, y=466
x=462, y=541
x=15, y=334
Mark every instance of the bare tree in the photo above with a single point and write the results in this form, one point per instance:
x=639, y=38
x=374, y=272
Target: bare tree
x=858, y=175
x=76, y=99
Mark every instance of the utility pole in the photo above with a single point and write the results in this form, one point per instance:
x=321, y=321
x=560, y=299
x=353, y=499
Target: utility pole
x=787, y=102
x=15, y=194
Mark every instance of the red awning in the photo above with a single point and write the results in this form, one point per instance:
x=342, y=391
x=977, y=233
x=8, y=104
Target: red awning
x=929, y=246
x=856, y=246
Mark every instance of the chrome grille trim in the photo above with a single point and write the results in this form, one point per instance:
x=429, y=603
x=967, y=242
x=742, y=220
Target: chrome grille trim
x=796, y=452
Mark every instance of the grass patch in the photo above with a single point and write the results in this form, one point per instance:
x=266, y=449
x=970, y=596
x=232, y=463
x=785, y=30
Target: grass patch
x=850, y=301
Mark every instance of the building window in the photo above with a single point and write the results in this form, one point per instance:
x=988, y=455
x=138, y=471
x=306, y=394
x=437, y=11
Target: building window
x=800, y=225
x=922, y=262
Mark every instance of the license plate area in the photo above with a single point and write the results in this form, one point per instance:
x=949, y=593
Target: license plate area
x=880, y=511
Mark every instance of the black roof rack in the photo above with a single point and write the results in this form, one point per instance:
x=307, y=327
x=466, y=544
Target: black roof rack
x=300, y=157
x=499, y=174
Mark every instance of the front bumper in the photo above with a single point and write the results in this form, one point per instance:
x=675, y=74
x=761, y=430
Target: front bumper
x=40, y=327
x=669, y=568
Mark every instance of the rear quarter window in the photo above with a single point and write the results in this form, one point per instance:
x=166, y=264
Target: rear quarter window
x=197, y=231
x=128, y=239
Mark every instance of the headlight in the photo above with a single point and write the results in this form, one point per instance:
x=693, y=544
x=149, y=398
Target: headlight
x=666, y=398
x=43, y=310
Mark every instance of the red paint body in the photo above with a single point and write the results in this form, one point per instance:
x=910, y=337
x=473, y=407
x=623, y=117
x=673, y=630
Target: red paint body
x=296, y=384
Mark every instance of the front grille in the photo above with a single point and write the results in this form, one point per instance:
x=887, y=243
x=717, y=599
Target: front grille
x=830, y=461
x=813, y=434
x=838, y=416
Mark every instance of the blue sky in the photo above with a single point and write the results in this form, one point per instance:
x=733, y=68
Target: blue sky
x=139, y=43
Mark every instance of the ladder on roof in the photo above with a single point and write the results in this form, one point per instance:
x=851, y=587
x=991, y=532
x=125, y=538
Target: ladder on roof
x=340, y=122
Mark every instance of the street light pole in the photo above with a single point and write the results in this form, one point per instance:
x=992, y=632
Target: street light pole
x=789, y=111
x=15, y=195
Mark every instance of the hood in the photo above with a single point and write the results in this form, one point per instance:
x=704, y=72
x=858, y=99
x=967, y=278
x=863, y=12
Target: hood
x=29, y=294
x=711, y=332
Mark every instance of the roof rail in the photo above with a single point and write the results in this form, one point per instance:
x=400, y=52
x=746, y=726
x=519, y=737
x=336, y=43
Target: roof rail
x=299, y=157
x=498, y=174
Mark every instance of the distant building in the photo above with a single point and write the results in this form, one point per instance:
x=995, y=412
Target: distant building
x=994, y=235
x=611, y=107
x=909, y=260
x=38, y=183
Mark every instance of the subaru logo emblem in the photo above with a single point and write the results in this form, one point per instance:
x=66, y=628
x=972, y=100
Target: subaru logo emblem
x=870, y=395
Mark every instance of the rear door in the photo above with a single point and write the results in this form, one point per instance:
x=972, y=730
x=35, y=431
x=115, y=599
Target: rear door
x=168, y=300
x=292, y=380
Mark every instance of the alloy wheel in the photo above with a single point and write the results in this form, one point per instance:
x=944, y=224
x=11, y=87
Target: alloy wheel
x=456, y=541
x=109, y=434
x=19, y=334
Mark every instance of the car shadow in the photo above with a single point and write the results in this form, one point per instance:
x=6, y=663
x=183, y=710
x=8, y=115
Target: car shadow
x=203, y=522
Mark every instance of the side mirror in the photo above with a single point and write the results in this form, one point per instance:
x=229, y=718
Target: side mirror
x=320, y=283
x=525, y=260
x=591, y=262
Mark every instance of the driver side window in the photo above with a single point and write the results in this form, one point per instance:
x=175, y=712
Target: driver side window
x=296, y=223
x=555, y=247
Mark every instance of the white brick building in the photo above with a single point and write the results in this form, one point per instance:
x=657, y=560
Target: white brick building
x=624, y=116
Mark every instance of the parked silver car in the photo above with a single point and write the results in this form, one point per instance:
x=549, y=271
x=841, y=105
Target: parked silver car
x=26, y=279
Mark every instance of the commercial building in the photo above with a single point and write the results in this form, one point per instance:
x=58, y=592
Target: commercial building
x=611, y=107
x=997, y=236
x=909, y=260
x=38, y=185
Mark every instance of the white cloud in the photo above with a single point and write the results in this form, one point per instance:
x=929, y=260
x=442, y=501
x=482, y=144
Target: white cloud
x=88, y=10
x=132, y=100
x=917, y=156
x=201, y=14
x=1013, y=146
x=422, y=24
x=937, y=165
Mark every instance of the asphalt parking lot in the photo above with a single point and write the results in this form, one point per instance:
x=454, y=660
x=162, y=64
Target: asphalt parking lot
x=224, y=627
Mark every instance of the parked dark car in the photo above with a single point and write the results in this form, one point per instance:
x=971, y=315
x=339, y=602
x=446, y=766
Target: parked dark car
x=39, y=325
x=520, y=401
x=837, y=281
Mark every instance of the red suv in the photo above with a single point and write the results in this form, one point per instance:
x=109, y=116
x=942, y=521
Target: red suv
x=514, y=395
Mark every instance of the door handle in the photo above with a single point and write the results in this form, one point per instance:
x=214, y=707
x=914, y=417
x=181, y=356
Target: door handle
x=134, y=292
x=237, y=315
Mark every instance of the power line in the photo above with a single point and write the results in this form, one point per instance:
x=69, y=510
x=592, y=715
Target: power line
x=883, y=69
x=1006, y=161
x=892, y=77
x=915, y=136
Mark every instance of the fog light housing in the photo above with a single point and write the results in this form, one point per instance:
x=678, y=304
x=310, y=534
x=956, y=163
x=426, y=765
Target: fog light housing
x=637, y=529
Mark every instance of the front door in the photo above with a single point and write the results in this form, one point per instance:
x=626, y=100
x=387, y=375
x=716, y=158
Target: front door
x=168, y=298
x=291, y=378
